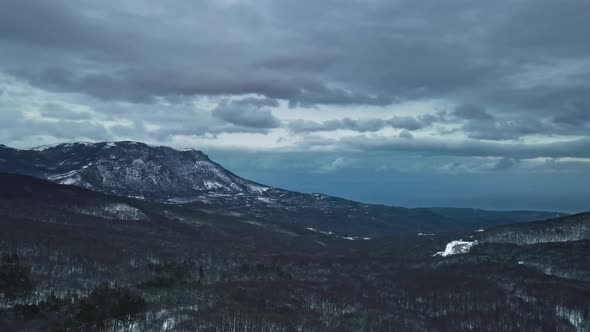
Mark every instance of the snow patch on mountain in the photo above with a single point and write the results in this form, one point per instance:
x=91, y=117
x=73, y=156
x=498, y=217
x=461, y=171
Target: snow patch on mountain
x=114, y=211
x=265, y=200
x=456, y=247
x=67, y=178
x=260, y=189
x=61, y=145
x=213, y=185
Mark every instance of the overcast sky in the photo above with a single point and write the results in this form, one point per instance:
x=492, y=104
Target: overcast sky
x=416, y=103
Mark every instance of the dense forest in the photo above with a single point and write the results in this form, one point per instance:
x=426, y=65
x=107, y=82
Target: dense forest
x=76, y=260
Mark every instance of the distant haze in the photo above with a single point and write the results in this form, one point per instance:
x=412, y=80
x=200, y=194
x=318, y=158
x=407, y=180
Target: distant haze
x=510, y=190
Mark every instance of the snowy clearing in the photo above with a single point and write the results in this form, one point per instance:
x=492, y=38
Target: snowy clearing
x=456, y=247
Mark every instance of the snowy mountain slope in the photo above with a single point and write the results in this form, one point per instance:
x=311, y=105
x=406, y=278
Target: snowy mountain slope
x=190, y=178
x=133, y=169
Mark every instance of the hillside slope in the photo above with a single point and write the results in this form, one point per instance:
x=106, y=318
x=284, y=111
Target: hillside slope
x=570, y=228
x=194, y=270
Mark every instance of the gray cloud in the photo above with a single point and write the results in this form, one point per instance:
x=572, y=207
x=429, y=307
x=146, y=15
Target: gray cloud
x=575, y=115
x=249, y=113
x=499, y=130
x=473, y=148
x=472, y=112
x=304, y=52
x=406, y=134
x=18, y=129
x=505, y=163
x=361, y=125
x=364, y=124
x=479, y=123
x=512, y=74
x=57, y=111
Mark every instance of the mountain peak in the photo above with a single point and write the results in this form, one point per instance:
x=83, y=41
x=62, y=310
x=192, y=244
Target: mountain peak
x=134, y=145
x=136, y=169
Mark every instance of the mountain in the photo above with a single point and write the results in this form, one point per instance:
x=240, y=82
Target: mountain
x=131, y=169
x=42, y=210
x=189, y=178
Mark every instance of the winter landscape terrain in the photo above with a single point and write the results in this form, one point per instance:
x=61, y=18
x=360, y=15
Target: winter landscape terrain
x=123, y=236
x=294, y=166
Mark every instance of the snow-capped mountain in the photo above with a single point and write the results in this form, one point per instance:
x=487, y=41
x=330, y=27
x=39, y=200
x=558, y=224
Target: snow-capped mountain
x=136, y=169
x=190, y=178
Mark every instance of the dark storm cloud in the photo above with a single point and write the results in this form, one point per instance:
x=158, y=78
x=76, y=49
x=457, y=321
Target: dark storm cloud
x=533, y=28
x=305, y=52
x=53, y=25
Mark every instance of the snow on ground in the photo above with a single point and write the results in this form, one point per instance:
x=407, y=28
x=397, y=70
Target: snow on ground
x=257, y=188
x=479, y=230
x=44, y=147
x=456, y=247
x=351, y=238
x=61, y=145
x=265, y=200
x=185, y=200
x=114, y=211
x=318, y=231
x=426, y=234
x=213, y=185
x=68, y=178
x=354, y=238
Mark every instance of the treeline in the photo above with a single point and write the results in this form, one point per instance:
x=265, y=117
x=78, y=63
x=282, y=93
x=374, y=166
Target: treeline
x=15, y=278
x=181, y=271
x=320, y=294
x=570, y=228
x=105, y=308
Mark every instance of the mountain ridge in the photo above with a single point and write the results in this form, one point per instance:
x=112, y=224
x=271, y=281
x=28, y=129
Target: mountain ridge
x=190, y=178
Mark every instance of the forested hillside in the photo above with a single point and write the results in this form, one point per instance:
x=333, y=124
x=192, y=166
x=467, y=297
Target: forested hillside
x=570, y=228
x=79, y=260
